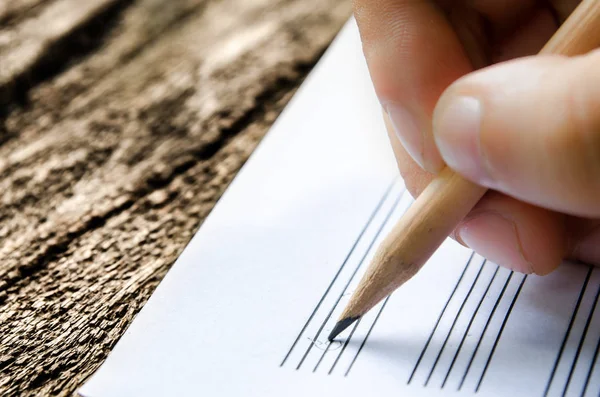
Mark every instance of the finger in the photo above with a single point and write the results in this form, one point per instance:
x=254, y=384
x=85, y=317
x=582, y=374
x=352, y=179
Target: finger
x=510, y=233
x=413, y=54
x=503, y=11
x=563, y=8
x=529, y=38
x=505, y=15
x=528, y=128
x=584, y=240
x=415, y=178
x=514, y=234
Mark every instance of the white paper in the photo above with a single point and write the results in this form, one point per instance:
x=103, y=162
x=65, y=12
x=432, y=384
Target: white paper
x=266, y=275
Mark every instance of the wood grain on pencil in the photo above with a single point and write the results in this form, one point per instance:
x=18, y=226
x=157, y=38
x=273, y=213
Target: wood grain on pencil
x=449, y=197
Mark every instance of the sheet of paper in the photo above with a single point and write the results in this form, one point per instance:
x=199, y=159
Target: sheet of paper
x=246, y=309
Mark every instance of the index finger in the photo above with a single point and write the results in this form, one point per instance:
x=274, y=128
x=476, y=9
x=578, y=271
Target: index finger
x=413, y=54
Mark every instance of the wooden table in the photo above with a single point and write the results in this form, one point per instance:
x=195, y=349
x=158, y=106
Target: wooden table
x=122, y=123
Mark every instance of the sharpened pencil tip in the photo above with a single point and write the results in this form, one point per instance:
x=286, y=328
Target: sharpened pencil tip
x=340, y=327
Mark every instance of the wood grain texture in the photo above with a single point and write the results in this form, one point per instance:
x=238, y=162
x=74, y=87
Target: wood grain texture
x=123, y=122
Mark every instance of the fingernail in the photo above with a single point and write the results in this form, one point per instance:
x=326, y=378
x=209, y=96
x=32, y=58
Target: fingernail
x=495, y=238
x=407, y=131
x=457, y=133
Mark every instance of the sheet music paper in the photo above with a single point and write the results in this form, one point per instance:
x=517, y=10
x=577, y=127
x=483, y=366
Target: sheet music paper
x=246, y=309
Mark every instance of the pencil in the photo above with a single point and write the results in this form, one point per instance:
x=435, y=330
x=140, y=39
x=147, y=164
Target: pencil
x=448, y=198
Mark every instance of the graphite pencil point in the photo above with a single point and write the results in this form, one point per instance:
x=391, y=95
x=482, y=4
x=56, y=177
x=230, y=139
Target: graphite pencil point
x=341, y=326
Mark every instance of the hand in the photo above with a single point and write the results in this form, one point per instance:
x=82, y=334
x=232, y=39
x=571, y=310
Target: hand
x=529, y=129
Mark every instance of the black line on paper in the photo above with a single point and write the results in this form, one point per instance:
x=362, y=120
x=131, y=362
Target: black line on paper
x=367, y=335
x=568, y=332
x=487, y=324
x=369, y=221
x=316, y=337
x=439, y=319
x=591, y=369
x=581, y=341
x=464, y=337
x=512, y=304
x=321, y=358
x=344, y=347
x=462, y=306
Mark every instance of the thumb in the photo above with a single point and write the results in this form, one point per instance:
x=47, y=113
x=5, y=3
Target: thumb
x=529, y=128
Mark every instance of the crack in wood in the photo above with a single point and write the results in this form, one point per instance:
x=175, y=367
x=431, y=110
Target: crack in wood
x=41, y=56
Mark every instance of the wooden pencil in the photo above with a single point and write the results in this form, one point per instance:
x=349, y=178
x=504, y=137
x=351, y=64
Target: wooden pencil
x=449, y=197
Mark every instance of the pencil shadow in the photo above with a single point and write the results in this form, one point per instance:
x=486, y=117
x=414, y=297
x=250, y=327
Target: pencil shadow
x=394, y=351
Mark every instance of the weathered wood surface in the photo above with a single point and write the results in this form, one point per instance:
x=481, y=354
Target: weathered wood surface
x=122, y=122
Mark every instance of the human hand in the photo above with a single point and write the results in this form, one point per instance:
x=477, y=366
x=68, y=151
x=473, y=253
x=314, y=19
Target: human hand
x=529, y=129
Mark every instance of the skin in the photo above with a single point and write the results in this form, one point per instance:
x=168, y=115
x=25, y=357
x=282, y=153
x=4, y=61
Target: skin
x=459, y=87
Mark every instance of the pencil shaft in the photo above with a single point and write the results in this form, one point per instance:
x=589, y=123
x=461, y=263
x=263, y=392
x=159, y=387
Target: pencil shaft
x=579, y=34
x=412, y=241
